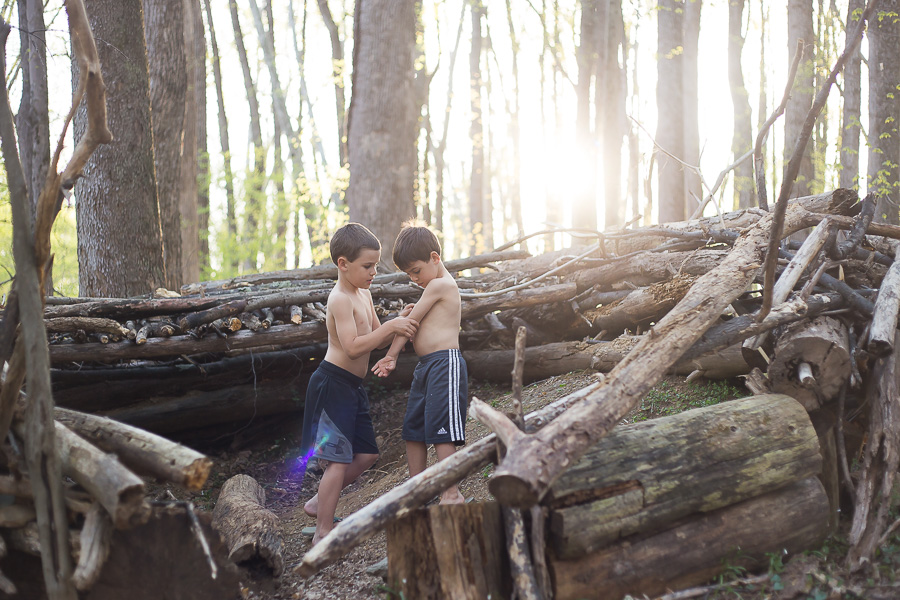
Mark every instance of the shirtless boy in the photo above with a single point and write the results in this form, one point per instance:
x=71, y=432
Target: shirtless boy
x=337, y=428
x=436, y=411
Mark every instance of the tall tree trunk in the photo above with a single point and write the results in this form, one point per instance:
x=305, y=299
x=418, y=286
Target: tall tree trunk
x=613, y=116
x=381, y=120
x=194, y=111
x=670, y=111
x=229, y=248
x=439, y=165
x=762, y=107
x=304, y=195
x=592, y=40
x=884, y=107
x=119, y=239
x=203, y=180
x=515, y=195
x=850, y=120
x=168, y=86
x=280, y=213
x=477, y=217
x=800, y=27
x=256, y=184
x=337, y=72
x=693, y=192
x=33, y=119
x=741, y=139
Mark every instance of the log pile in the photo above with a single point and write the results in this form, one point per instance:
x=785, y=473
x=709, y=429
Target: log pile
x=827, y=340
x=228, y=351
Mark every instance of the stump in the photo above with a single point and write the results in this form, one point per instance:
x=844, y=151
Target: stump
x=449, y=551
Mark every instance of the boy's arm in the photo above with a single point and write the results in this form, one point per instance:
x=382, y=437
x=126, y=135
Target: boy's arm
x=431, y=296
x=355, y=345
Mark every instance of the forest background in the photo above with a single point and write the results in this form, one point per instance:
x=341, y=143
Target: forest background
x=524, y=115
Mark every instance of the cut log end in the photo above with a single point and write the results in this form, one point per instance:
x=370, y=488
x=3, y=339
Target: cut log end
x=510, y=490
x=197, y=473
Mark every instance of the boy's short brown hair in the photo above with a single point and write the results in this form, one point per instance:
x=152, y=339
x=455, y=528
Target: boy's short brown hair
x=414, y=242
x=350, y=240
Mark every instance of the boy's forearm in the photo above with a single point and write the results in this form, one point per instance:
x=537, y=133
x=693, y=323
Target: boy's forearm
x=397, y=346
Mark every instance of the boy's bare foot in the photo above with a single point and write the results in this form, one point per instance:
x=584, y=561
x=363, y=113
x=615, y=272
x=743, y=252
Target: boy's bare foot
x=312, y=506
x=452, y=497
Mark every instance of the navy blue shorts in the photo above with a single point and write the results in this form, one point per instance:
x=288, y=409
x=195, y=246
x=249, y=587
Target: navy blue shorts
x=336, y=420
x=436, y=410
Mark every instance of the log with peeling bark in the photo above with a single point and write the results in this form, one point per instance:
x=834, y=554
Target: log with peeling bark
x=449, y=551
x=641, y=306
x=139, y=450
x=791, y=519
x=533, y=462
x=96, y=534
x=249, y=530
x=887, y=306
x=645, y=476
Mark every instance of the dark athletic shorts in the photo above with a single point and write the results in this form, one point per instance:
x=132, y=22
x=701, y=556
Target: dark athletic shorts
x=436, y=410
x=336, y=421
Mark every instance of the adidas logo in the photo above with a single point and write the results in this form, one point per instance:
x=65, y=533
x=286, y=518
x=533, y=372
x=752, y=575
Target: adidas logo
x=442, y=431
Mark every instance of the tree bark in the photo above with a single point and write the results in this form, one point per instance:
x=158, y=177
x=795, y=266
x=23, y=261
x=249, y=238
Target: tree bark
x=693, y=190
x=168, y=95
x=884, y=105
x=337, y=72
x=741, y=140
x=793, y=518
x=588, y=53
x=249, y=530
x=646, y=476
x=852, y=112
x=670, y=103
x=478, y=242
x=381, y=121
x=800, y=27
x=118, y=191
x=189, y=149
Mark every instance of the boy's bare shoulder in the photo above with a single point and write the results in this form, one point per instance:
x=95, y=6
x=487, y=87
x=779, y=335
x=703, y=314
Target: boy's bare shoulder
x=445, y=286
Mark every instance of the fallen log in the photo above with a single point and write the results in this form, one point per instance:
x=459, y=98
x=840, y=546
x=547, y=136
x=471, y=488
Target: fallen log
x=887, y=306
x=791, y=519
x=296, y=335
x=533, y=462
x=449, y=551
x=641, y=306
x=88, y=324
x=811, y=361
x=95, y=537
x=140, y=450
x=249, y=530
x=643, y=476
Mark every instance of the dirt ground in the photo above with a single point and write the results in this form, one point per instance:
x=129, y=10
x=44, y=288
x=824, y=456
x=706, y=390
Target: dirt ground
x=817, y=575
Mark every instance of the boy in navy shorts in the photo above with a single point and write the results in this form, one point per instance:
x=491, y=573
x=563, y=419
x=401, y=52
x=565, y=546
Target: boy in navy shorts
x=436, y=411
x=337, y=427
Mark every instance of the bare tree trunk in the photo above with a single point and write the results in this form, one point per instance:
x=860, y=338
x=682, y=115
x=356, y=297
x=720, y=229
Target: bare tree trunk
x=118, y=192
x=168, y=86
x=280, y=212
x=439, y=165
x=800, y=27
x=256, y=194
x=194, y=112
x=614, y=119
x=515, y=197
x=382, y=120
x=337, y=72
x=762, y=112
x=33, y=121
x=203, y=180
x=476, y=135
x=670, y=103
x=592, y=39
x=229, y=249
x=884, y=106
x=850, y=121
x=693, y=192
x=741, y=139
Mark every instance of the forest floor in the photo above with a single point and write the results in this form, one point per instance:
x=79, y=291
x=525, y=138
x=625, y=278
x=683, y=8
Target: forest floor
x=817, y=575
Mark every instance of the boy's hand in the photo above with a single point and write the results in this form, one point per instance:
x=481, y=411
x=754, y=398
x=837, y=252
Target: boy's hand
x=403, y=326
x=407, y=309
x=385, y=366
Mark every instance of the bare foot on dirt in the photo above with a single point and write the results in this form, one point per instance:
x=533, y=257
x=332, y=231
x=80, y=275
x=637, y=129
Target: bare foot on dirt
x=318, y=536
x=452, y=497
x=312, y=506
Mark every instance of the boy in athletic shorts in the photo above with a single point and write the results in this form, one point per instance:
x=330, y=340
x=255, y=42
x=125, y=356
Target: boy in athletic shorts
x=436, y=410
x=337, y=427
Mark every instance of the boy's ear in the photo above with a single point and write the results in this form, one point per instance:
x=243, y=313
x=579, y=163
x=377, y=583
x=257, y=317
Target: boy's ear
x=342, y=263
x=434, y=256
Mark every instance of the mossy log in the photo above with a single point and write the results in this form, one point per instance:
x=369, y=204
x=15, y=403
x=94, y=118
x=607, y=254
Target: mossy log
x=791, y=519
x=647, y=475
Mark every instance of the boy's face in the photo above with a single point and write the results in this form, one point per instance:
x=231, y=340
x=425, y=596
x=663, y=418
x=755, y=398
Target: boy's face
x=360, y=272
x=422, y=272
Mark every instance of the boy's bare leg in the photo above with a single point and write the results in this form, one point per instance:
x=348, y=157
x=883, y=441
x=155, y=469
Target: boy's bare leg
x=360, y=463
x=416, y=457
x=450, y=495
x=329, y=491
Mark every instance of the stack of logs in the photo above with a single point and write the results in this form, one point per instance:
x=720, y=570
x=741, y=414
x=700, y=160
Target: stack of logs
x=231, y=351
x=652, y=506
